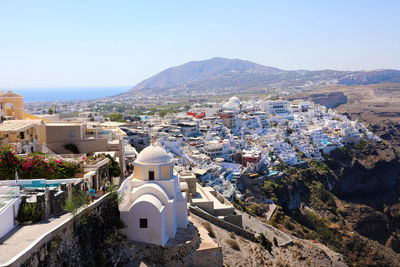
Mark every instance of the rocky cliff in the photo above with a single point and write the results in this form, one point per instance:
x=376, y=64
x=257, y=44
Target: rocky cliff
x=349, y=202
x=367, y=173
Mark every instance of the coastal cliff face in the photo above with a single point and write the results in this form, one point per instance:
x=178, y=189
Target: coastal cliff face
x=368, y=174
x=348, y=202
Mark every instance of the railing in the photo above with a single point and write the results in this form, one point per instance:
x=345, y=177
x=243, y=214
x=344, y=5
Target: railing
x=7, y=194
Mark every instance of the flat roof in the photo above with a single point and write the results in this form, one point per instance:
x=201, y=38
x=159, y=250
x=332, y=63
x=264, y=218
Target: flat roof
x=113, y=124
x=15, y=127
x=64, y=124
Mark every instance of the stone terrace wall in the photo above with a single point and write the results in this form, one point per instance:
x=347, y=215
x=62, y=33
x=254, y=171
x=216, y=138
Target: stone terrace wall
x=93, y=238
x=170, y=255
x=223, y=224
x=89, y=239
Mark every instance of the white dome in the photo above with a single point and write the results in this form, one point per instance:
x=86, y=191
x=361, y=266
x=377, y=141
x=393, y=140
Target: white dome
x=153, y=155
x=232, y=105
x=235, y=100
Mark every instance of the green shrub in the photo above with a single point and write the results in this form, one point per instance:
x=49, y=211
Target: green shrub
x=271, y=189
x=288, y=224
x=52, y=245
x=30, y=212
x=321, y=197
x=115, y=170
x=116, y=117
x=325, y=233
x=72, y=147
x=78, y=200
x=255, y=209
x=360, y=145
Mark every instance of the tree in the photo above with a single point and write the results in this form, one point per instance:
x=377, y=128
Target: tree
x=116, y=117
x=72, y=147
x=51, y=111
x=78, y=200
x=115, y=170
x=162, y=113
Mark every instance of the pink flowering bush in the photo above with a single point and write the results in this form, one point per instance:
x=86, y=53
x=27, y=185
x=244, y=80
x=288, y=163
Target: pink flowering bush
x=34, y=166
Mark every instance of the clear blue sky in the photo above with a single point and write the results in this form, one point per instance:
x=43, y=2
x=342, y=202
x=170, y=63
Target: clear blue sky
x=103, y=43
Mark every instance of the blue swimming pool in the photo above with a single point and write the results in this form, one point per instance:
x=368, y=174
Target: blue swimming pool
x=41, y=185
x=325, y=142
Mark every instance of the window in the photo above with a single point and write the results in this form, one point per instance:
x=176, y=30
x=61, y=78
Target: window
x=151, y=175
x=143, y=223
x=22, y=135
x=71, y=133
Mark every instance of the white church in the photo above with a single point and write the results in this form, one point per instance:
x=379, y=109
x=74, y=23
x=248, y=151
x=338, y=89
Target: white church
x=152, y=206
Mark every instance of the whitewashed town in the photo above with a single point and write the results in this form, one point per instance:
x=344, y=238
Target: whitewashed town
x=169, y=168
x=199, y=133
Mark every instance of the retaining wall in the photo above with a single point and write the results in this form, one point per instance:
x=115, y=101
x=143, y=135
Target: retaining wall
x=223, y=224
x=79, y=241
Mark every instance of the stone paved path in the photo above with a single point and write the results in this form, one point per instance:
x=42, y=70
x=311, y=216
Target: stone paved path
x=23, y=237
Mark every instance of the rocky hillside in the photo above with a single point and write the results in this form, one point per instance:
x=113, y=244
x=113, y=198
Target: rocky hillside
x=349, y=203
x=238, y=251
x=221, y=75
x=200, y=70
x=371, y=77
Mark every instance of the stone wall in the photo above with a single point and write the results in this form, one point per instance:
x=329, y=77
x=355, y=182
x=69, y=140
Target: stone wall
x=209, y=257
x=180, y=254
x=223, y=224
x=90, y=238
x=191, y=180
x=94, y=238
x=235, y=219
x=53, y=200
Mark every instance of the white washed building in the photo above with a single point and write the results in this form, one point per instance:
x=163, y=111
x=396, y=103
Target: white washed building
x=153, y=207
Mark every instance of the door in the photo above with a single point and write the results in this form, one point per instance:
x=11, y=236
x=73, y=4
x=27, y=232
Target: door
x=151, y=175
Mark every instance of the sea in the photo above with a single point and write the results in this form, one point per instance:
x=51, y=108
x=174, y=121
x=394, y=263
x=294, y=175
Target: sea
x=68, y=93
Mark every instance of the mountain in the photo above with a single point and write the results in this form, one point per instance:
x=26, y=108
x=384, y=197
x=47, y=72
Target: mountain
x=372, y=76
x=200, y=70
x=222, y=75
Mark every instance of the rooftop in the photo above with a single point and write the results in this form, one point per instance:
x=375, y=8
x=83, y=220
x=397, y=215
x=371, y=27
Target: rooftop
x=153, y=155
x=15, y=127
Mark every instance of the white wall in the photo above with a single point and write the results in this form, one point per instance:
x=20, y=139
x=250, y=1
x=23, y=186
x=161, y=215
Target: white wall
x=181, y=208
x=155, y=233
x=7, y=217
